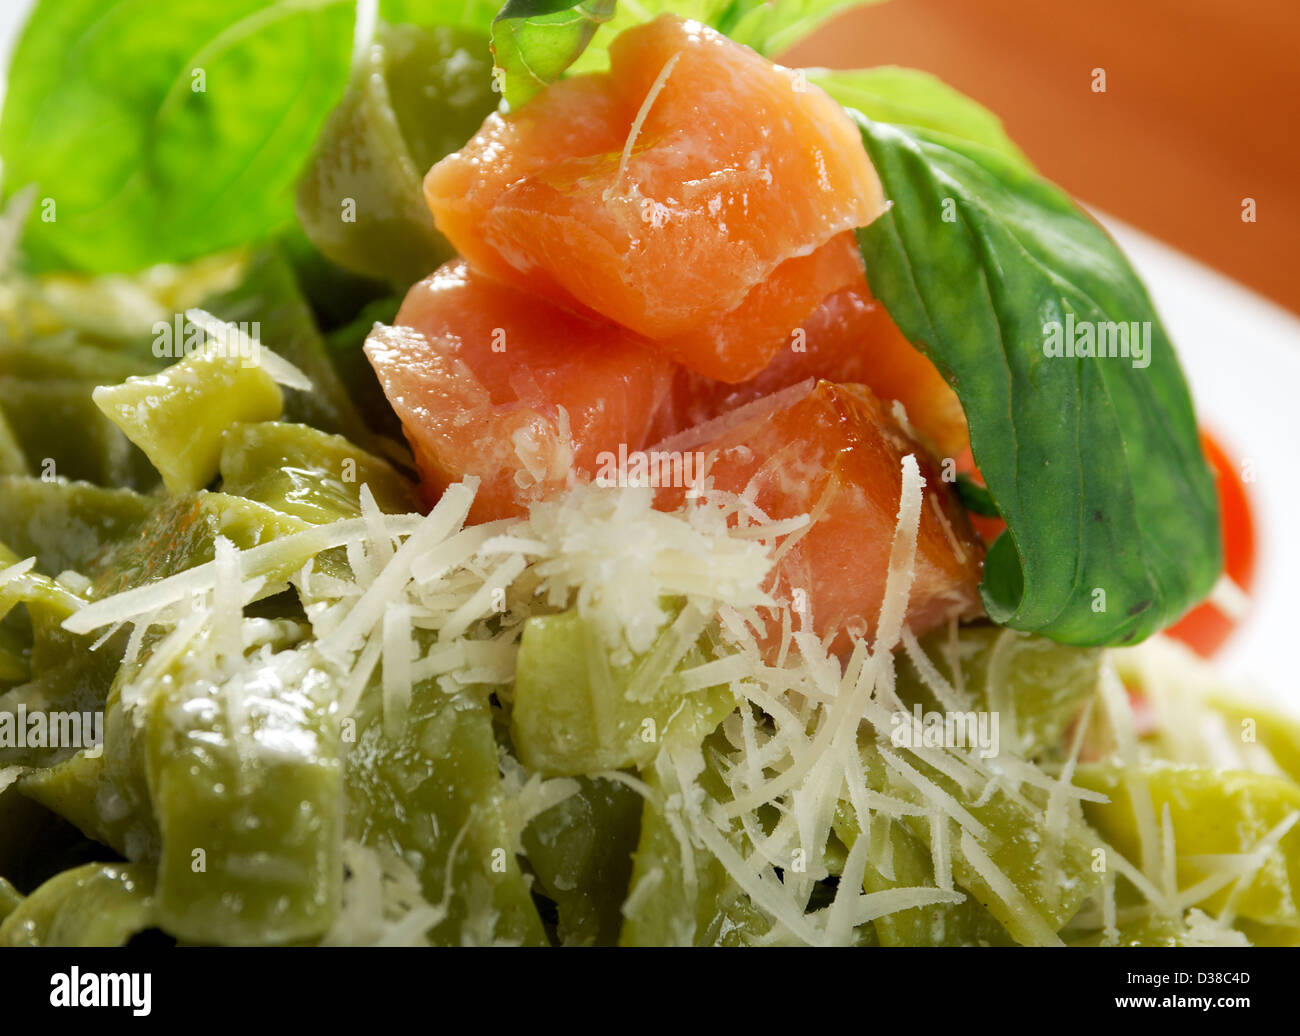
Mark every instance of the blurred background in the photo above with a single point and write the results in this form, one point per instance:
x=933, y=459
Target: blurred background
x=1201, y=108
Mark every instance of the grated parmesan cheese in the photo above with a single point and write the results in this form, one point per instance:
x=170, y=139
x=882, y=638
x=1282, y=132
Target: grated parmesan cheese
x=276, y=366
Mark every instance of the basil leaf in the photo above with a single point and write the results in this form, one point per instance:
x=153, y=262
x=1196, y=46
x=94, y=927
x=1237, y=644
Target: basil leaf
x=907, y=97
x=474, y=15
x=1094, y=462
x=162, y=132
x=773, y=27
x=537, y=41
x=534, y=41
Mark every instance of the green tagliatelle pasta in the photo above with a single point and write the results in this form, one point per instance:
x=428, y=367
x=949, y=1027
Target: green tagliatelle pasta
x=92, y=905
x=575, y=712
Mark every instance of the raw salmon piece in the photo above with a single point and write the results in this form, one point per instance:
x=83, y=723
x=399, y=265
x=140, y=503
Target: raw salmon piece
x=745, y=342
x=575, y=116
x=663, y=193
x=493, y=382
x=836, y=454
x=848, y=339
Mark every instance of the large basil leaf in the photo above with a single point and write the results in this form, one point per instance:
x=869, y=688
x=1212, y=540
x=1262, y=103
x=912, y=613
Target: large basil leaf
x=164, y=131
x=1094, y=463
x=908, y=97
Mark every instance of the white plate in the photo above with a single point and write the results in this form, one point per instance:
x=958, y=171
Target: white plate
x=1242, y=357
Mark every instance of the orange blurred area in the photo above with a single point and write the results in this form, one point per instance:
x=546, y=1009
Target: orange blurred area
x=1201, y=108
